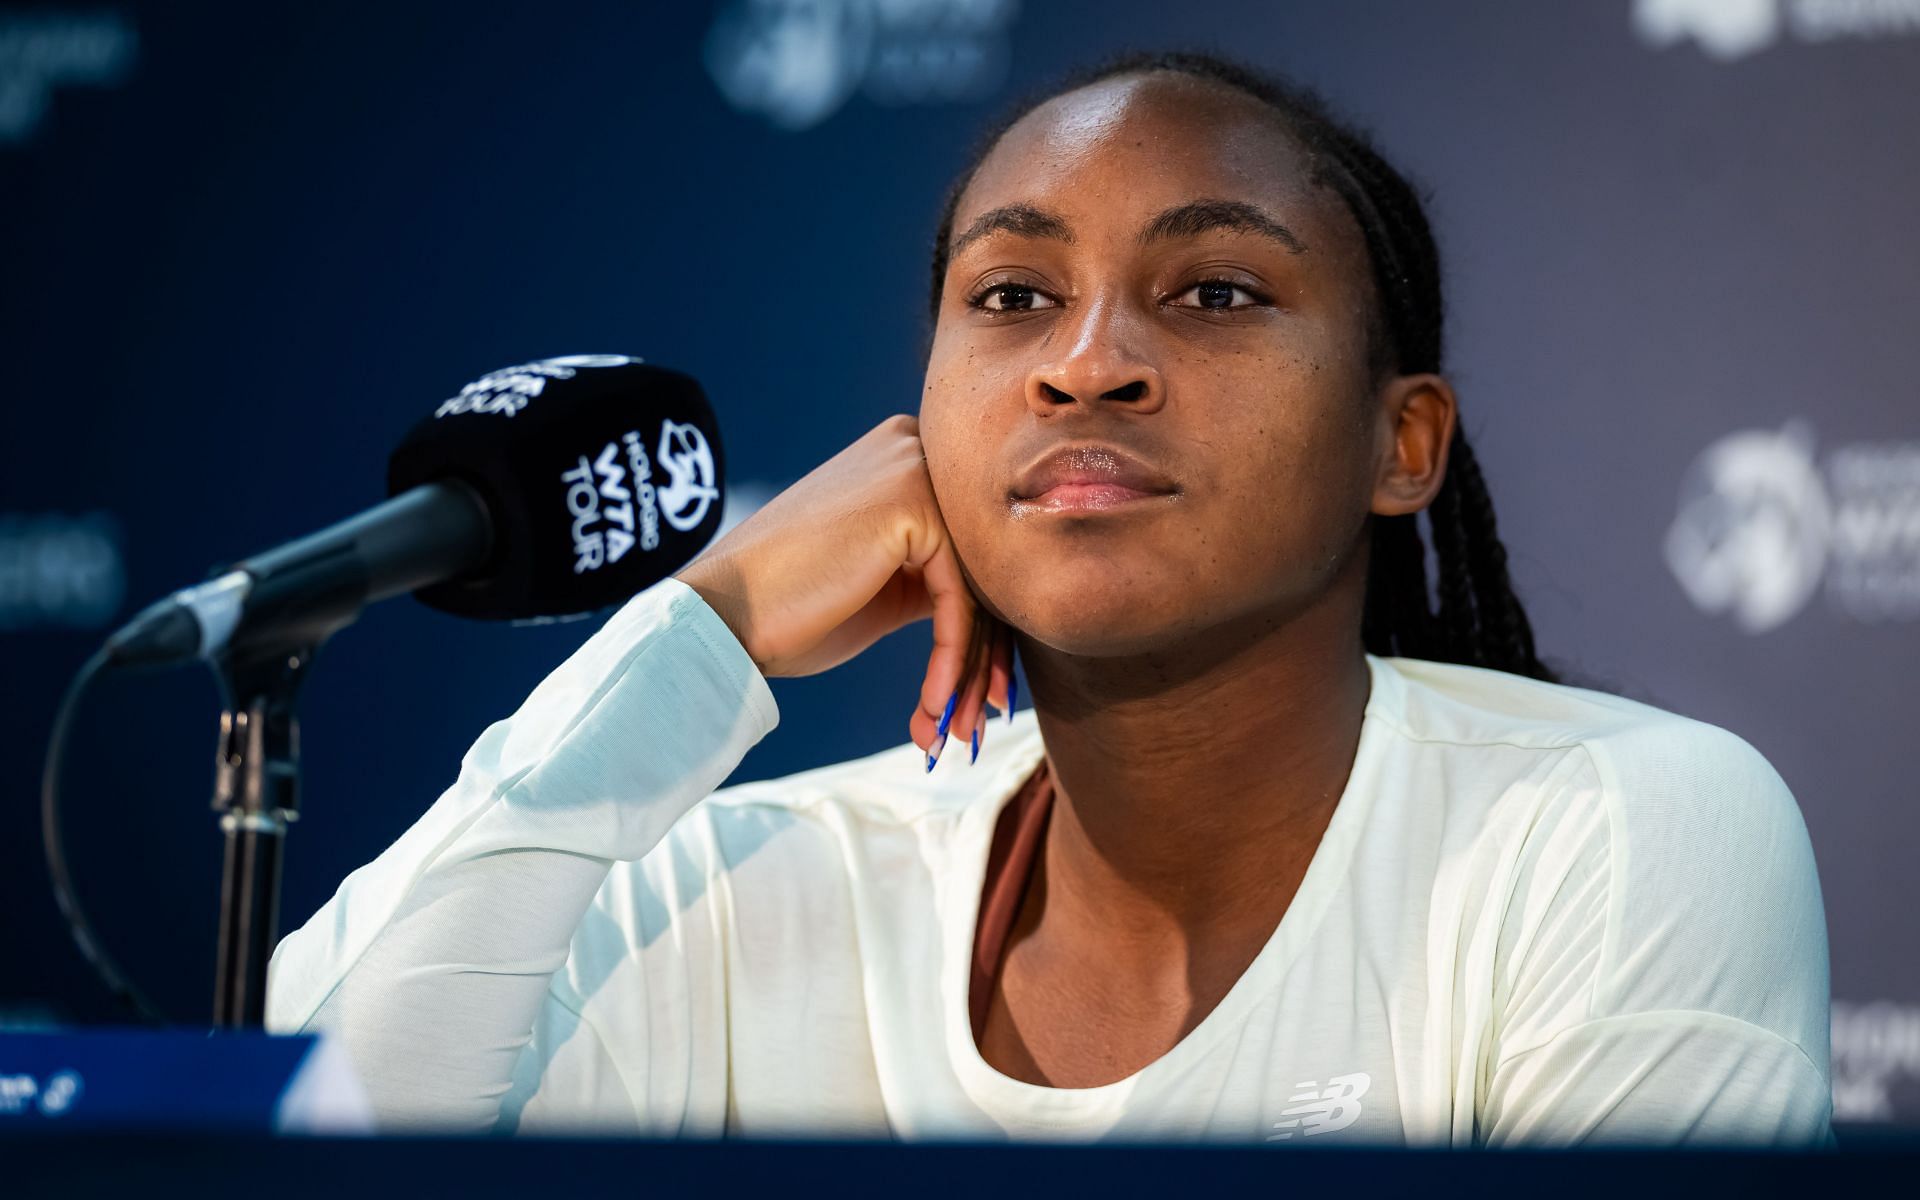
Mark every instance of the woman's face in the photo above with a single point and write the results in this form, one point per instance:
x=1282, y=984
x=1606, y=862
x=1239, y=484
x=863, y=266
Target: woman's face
x=1147, y=409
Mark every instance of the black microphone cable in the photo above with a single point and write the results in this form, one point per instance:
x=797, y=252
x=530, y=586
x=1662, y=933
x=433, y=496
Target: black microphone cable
x=76, y=917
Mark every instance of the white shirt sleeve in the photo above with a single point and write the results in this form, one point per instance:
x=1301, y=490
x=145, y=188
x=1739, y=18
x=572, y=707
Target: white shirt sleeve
x=1662, y=973
x=431, y=964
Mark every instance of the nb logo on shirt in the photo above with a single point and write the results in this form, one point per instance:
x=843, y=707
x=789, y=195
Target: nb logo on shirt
x=1313, y=1109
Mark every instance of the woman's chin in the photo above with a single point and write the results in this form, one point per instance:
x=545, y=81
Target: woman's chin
x=1107, y=625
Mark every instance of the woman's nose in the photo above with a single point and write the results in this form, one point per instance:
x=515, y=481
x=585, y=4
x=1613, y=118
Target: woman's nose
x=1097, y=356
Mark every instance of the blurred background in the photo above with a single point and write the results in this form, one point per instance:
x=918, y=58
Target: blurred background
x=244, y=247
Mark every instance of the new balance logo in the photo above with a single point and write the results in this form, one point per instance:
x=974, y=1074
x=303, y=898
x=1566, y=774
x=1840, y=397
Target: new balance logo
x=1313, y=1109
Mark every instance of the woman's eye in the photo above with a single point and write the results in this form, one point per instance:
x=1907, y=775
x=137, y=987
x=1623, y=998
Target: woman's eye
x=1013, y=297
x=1217, y=293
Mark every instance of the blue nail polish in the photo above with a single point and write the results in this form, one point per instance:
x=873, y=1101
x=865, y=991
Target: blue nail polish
x=976, y=747
x=946, y=718
x=933, y=751
x=930, y=761
x=1013, y=692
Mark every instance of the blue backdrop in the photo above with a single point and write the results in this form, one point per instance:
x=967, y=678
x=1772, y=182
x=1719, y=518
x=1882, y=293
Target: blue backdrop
x=242, y=247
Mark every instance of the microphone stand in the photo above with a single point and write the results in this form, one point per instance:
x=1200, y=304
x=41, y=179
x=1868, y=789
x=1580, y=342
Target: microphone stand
x=300, y=595
x=257, y=794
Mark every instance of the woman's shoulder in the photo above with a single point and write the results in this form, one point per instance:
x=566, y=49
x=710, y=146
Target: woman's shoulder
x=1703, y=882
x=1636, y=750
x=1682, y=811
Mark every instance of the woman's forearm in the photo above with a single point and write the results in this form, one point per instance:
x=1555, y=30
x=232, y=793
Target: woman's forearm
x=430, y=962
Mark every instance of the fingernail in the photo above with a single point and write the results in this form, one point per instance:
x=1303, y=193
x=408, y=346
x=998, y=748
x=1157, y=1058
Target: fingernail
x=976, y=746
x=940, y=731
x=1013, y=692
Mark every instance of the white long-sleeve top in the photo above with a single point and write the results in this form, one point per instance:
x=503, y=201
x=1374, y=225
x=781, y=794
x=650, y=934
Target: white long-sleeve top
x=1538, y=915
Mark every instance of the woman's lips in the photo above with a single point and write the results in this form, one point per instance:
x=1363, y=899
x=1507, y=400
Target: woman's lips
x=1086, y=497
x=1088, y=479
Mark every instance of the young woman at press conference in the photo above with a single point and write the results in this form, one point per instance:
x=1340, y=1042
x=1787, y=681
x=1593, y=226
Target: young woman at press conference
x=1295, y=843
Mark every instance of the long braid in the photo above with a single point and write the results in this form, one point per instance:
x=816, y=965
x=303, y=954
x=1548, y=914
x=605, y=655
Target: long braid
x=1397, y=620
x=1502, y=618
x=1472, y=615
x=1458, y=618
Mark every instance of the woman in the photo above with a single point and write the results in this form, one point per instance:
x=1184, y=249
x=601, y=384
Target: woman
x=1283, y=852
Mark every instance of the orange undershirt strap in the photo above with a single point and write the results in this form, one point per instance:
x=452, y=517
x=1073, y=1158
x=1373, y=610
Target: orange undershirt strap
x=1016, y=848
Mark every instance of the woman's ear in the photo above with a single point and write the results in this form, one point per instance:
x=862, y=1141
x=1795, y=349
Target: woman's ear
x=1417, y=415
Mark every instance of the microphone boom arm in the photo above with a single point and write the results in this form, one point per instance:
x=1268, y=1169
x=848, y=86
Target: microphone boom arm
x=301, y=593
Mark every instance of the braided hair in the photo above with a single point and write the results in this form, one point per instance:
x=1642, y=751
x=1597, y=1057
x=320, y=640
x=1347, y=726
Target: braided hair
x=1470, y=613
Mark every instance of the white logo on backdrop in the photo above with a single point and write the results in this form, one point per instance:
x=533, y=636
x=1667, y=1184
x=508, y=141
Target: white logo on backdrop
x=58, y=570
x=1751, y=536
x=42, y=50
x=1730, y=29
x=1724, y=28
x=1875, y=1047
x=1761, y=527
x=796, y=62
x=508, y=390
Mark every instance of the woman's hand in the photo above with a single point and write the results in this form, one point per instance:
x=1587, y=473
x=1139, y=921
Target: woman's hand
x=848, y=555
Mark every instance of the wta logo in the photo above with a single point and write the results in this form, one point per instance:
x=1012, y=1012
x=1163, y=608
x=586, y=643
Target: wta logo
x=615, y=504
x=1762, y=526
x=690, y=486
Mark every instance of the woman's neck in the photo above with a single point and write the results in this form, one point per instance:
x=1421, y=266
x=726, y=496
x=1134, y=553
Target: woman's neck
x=1192, y=784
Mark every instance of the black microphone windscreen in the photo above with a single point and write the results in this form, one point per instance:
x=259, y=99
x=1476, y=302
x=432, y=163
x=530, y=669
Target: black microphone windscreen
x=602, y=474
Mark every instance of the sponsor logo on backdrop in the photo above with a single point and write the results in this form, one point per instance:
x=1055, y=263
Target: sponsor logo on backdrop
x=1730, y=29
x=48, y=48
x=796, y=62
x=59, y=571
x=1876, y=1049
x=508, y=390
x=1764, y=523
x=1313, y=1110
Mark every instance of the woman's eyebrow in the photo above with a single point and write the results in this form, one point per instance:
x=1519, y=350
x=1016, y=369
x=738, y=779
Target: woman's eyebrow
x=1204, y=216
x=1022, y=219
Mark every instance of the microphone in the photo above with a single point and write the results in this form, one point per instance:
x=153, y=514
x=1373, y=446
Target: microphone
x=541, y=492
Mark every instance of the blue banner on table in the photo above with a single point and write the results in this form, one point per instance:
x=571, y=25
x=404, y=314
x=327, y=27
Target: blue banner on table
x=184, y=1080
